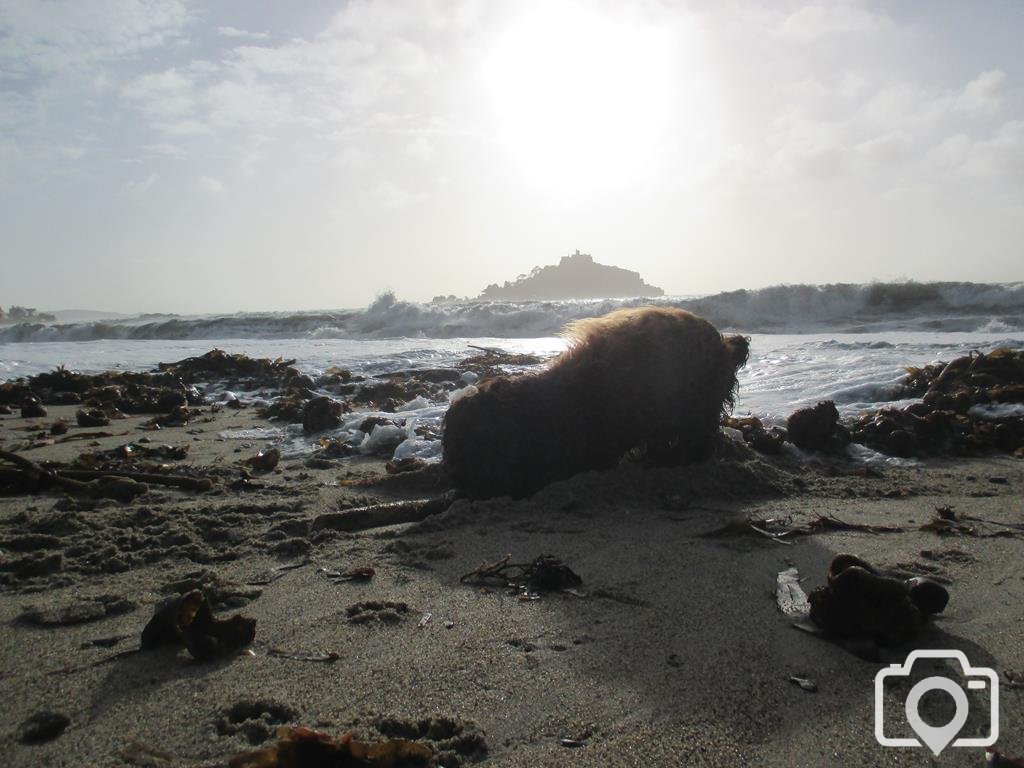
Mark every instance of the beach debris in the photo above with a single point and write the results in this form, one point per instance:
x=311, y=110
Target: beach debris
x=407, y=464
x=264, y=461
x=131, y=453
x=322, y=413
x=32, y=408
x=185, y=482
x=859, y=601
x=380, y=515
x=817, y=429
x=188, y=620
x=268, y=577
x=91, y=417
x=780, y=530
x=971, y=405
x=789, y=595
x=26, y=476
x=424, y=620
x=327, y=657
x=572, y=743
x=362, y=574
x=493, y=361
x=806, y=684
x=545, y=573
x=299, y=747
x=756, y=435
x=946, y=522
x=42, y=726
x=222, y=594
x=238, y=370
x=176, y=417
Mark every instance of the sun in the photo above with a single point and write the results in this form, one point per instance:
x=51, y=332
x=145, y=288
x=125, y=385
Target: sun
x=581, y=97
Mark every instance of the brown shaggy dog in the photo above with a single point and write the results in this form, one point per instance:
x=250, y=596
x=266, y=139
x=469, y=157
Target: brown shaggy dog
x=652, y=377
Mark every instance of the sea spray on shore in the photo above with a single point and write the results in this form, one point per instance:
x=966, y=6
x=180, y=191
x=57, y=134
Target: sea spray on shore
x=841, y=307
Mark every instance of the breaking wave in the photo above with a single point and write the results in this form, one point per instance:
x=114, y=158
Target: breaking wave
x=840, y=308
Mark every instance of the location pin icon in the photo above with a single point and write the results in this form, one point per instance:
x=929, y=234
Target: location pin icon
x=937, y=739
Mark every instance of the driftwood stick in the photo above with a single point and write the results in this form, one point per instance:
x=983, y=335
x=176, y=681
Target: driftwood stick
x=38, y=475
x=26, y=464
x=179, y=481
x=380, y=515
x=76, y=479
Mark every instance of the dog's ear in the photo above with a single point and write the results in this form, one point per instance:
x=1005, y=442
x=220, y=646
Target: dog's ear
x=739, y=349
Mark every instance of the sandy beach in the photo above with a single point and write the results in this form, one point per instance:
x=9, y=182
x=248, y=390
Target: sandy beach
x=672, y=651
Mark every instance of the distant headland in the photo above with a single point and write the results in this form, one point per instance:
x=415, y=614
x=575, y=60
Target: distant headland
x=576, y=276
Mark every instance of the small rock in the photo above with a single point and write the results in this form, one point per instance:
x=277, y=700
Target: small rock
x=32, y=408
x=321, y=413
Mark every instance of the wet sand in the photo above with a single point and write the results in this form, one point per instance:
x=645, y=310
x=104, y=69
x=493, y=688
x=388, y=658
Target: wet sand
x=673, y=652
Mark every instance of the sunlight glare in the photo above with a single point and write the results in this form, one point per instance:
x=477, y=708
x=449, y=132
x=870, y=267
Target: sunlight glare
x=581, y=98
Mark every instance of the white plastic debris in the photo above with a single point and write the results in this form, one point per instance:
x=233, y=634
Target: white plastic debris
x=790, y=596
x=383, y=437
x=415, y=404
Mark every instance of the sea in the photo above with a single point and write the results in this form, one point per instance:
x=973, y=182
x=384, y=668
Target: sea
x=849, y=343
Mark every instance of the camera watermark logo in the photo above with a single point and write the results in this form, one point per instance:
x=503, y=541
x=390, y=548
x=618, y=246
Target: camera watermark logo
x=937, y=738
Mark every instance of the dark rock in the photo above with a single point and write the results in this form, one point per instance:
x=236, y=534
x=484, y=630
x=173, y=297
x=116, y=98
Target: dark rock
x=322, y=413
x=817, y=428
x=92, y=417
x=32, y=408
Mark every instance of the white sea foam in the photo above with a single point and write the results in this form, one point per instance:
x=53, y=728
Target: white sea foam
x=859, y=371
x=962, y=307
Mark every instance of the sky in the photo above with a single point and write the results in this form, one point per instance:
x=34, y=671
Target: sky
x=171, y=156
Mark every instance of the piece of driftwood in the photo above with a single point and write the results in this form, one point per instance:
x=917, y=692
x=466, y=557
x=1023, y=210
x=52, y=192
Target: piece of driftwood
x=153, y=478
x=37, y=476
x=381, y=515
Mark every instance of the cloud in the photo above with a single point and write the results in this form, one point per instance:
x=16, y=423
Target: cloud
x=388, y=195
x=816, y=21
x=162, y=96
x=982, y=94
x=888, y=148
x=234, y=32
x=420, y=148
x=137, y=187
x=1001, y=154
x=68, y=35
x=165, y=148
x=211, y=185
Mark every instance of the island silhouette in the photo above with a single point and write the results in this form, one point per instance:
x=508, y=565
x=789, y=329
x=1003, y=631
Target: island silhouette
x=576, y=276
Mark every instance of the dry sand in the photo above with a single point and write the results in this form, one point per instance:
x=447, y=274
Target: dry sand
x=674, y=654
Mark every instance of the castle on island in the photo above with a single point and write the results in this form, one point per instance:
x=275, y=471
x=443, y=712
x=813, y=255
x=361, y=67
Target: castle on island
x=576, y=276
